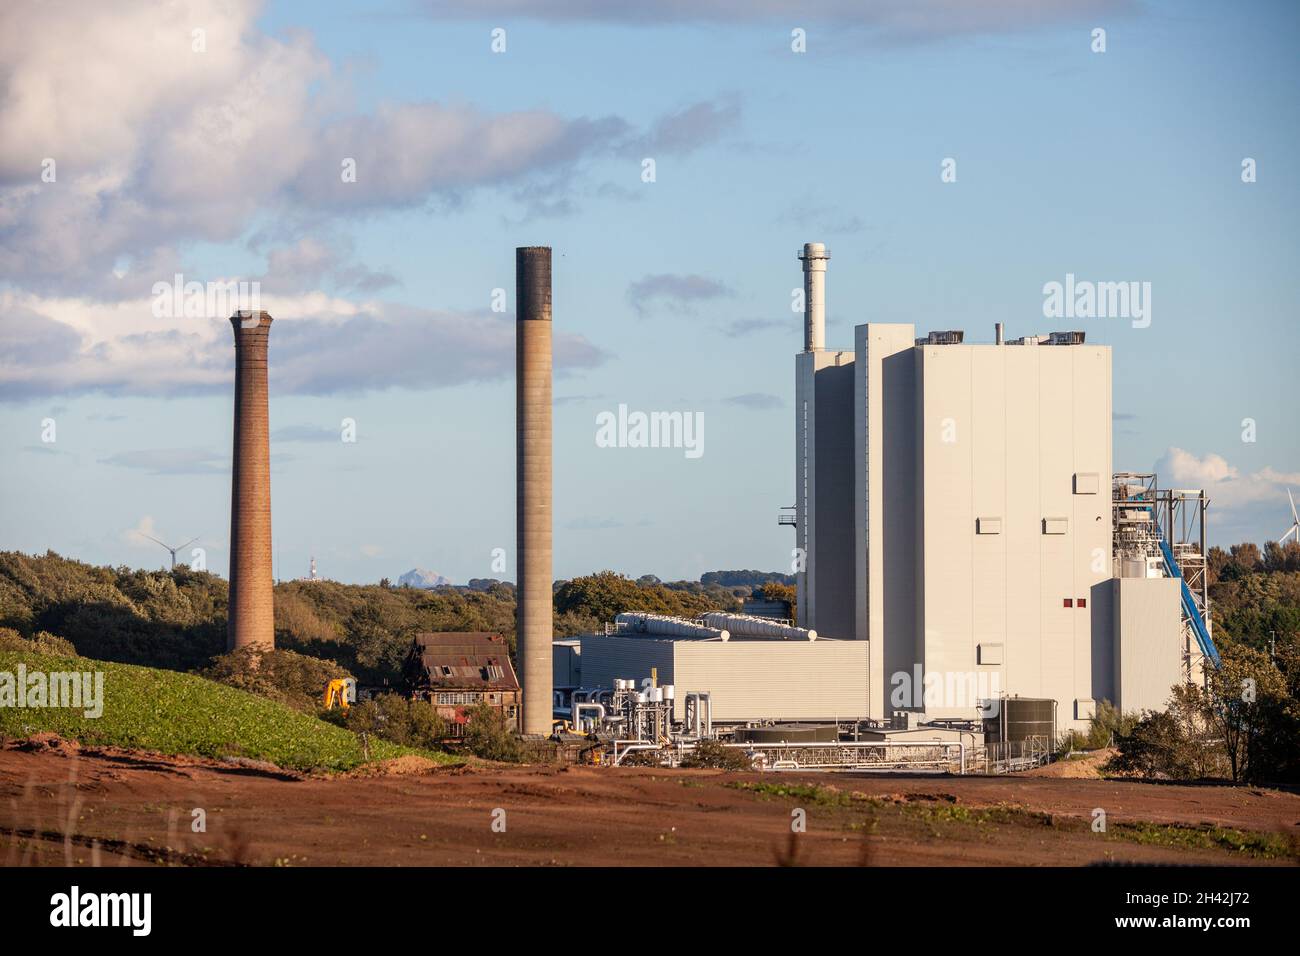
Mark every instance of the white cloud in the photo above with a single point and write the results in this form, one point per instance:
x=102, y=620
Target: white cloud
x=171, y=461
x=320, y=344
x=676, y=293
x=1226, y=485
x=139, y=535
x=155, y=144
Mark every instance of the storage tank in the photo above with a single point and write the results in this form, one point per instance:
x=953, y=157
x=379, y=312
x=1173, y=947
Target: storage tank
x=789, y=734
x=1022, y=718
x=1134, y=568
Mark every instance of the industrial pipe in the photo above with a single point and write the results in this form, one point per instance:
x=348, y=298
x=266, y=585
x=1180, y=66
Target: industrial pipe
x=750, y=625
x=577, y=714
x=815, y=255
x=697, y=701
x=646, y=623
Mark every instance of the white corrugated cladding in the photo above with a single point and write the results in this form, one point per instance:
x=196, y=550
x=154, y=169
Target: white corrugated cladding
x=790, y=680
x=627, y=658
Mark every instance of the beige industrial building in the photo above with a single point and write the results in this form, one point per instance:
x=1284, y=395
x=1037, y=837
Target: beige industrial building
x=954, y=512
x=961, y=540
x=748, y=679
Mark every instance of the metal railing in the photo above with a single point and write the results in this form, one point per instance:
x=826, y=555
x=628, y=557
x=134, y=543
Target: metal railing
x=857, y=755
x=1010, y=756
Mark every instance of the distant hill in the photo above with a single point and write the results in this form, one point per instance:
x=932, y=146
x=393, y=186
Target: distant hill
x=420, y=578
x=177, y=619
x=733, y=579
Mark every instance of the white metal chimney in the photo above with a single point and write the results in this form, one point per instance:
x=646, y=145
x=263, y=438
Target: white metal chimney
x=815, y=255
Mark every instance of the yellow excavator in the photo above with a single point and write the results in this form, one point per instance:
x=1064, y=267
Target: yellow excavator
x=336, y=693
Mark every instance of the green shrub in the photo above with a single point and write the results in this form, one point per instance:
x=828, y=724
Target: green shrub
x=717, y=756
x=42, y=642
x=392, y=717
x=286, y=676
x=488, y=734
x=1104, y=730
x=1175, y=744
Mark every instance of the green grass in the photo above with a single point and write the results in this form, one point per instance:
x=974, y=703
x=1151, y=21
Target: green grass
x=809, y=793
x=174, y=713
x=947, y=818
x=1252, y=843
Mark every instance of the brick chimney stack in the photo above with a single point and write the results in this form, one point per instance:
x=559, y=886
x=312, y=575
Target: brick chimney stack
x=250, y=615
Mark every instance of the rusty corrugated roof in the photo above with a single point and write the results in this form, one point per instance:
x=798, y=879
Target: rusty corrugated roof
x=460, y=660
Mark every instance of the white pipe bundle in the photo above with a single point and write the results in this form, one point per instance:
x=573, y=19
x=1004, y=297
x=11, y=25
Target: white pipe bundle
x=646, y=623
x=750, y=625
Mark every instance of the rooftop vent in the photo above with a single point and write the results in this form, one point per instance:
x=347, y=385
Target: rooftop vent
x=1056, y=338
x=950, y=337
x=1065, y=338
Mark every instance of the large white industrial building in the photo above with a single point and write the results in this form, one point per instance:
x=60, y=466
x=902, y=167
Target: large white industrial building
x=969, y=563
x=955, y=509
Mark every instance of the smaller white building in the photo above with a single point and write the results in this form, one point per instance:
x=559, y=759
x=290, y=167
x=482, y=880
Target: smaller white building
x=746, y=678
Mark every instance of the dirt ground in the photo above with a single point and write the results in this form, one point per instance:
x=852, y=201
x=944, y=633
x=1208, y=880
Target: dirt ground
x=60, y=805
x=1077, y=767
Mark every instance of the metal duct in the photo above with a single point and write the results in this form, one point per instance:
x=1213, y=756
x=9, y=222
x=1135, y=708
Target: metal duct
x=661, y=624
x=750, y=625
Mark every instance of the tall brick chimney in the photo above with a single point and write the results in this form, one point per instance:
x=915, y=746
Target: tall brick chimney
x=533, y=473
x=250, y=617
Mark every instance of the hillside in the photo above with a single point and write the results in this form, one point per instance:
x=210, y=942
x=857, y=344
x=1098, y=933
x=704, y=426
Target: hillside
x=177, y=619
x=148, y=709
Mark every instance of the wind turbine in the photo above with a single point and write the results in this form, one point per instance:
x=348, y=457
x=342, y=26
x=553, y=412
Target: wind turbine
x=1295, y=521
x=167, y=546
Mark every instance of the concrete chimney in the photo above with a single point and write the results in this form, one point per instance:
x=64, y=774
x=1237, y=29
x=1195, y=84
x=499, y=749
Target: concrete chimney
x=250, y=618
x=815, y=255
x=533, y=493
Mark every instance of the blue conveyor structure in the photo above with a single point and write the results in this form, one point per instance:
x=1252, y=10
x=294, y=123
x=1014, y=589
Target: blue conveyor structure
x=1190, y=608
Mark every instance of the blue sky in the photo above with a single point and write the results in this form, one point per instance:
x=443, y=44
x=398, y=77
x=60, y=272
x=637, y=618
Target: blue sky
x=1114, y=166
